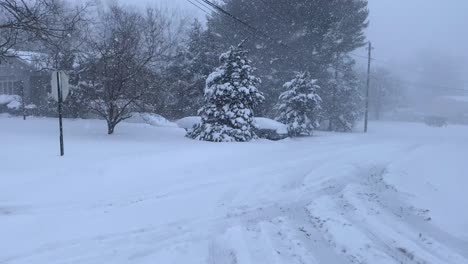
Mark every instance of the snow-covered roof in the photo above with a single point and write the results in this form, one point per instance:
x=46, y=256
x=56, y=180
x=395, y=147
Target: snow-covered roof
x=11, y=101
x=6, y=98
x=36, y=60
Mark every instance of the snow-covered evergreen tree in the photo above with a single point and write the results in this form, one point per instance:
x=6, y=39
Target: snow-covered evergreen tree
x=230, y=97
x=299, y=106
x=342, y=99
x=185, y=73
x=203, y=51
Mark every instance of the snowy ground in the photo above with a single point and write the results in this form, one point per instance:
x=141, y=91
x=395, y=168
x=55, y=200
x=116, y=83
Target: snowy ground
x=148, y=195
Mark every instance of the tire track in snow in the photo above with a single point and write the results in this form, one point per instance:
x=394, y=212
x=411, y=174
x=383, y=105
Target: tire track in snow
x=379, y=234
x=289, y=205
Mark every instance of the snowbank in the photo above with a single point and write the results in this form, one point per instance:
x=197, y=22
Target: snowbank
x=150, y=119
x=188, y=122
x=152, y=196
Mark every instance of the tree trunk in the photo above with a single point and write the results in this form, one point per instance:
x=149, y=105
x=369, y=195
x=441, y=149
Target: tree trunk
x=110, y=128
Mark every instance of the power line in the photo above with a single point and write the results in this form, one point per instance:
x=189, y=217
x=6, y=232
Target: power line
x=199, y=7
x=408, y=82
x=388, y=63
x=446, y=88
x=359, y=56
x=281, y=17
x=202, y=3
x=221, y=10
x=206, y=6
x=212, y=7
x=253, y=29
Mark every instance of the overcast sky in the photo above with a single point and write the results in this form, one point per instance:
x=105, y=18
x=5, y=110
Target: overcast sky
x=401, y=30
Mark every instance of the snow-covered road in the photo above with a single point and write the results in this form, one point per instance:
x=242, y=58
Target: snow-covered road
x=149, y=195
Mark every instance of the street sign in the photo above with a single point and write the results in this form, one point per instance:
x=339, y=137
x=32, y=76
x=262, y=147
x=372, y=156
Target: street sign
x=64, y=86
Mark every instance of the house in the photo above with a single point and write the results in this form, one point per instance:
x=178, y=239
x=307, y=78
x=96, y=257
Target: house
x=25, y=74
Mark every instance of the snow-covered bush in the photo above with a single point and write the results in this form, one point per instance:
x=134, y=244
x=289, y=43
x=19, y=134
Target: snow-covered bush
x=299, y=106
x=5, y=99
x=14, y=105
x=10, y=103
x=188, y=122
x=230, y=97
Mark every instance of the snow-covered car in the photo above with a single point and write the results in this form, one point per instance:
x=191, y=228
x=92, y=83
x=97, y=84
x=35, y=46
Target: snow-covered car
x=435, y=121
x=270, y=129
x=264, y=127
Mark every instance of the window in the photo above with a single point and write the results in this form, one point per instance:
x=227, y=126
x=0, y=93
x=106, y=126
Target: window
x=7, y=87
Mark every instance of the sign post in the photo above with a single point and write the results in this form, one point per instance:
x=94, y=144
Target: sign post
x=23, y=100
x=60, y=91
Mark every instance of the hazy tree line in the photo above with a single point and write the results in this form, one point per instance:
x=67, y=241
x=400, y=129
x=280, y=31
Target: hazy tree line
x=123, y=60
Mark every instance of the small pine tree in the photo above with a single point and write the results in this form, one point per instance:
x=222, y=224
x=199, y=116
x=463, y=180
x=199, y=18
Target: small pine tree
x=230, y=97
x=299, y=107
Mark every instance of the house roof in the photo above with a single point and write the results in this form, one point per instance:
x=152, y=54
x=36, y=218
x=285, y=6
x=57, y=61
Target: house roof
x=36, y=60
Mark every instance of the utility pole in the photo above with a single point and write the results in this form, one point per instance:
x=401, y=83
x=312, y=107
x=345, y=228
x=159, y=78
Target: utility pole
x=366, y=117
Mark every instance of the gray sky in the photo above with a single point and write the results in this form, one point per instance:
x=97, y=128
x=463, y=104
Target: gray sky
x=402, y=31
x=401, y=28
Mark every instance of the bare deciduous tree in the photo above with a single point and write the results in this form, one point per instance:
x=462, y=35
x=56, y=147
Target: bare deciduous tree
x=26, y=21
x=122, y=50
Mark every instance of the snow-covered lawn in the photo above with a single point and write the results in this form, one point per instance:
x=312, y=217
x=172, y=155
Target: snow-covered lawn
x=149, y=195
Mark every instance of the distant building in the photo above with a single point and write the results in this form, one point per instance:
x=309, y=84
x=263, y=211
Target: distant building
x=25, y=71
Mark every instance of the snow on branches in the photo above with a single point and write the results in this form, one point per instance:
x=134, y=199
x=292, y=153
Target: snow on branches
x=230, y=97
x=299, y=106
